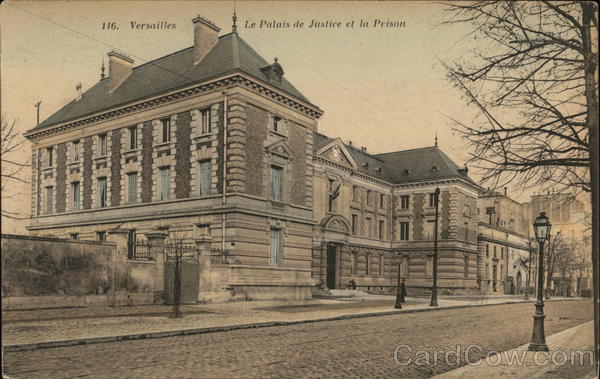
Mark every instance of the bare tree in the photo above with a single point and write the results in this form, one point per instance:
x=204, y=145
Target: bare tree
x=581, y=263
x=12, y=167
x=530, y=88
x=533, y=78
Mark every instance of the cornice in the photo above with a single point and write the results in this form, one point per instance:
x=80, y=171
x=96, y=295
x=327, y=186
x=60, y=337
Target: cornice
x=223, y=82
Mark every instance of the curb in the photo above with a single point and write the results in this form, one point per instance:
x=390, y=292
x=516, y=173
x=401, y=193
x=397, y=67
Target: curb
x=215, y=329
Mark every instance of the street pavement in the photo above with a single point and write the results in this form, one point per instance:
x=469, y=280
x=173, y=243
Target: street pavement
x=25, y=329
x=381, y=346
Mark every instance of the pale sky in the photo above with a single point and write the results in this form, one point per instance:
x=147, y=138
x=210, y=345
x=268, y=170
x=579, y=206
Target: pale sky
x=382, y=88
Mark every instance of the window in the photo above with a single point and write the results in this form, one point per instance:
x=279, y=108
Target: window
x=381, y=229
x=276, y=185
x=330, y=196
x=131, y=244
x=75, y=196
x=381, y=200
x=366, y=264
x=354, y=224
x=432, y=200
x=369, y=226
x=404, y=201
x=466, y=266
x=205, y=118
x=132, y=187
x=404, y=231
x=49, y=152
x=494, y=251
x=487, y=250
x=75, y=151
x=502, y=253
x=102, y=192
x=166, y=129
x=165, y=174
x=353, y=261
x=49, y=199
x=369, y=200
x=74, y=236
x=354, y=193
x=102, y=148
x=101, y=236
x=277, y=124
x=132, y=137
x=205, y=177
x=381, y=265
x=275, y=246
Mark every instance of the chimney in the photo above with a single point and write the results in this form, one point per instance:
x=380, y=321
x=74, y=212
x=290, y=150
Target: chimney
x=205, y=37
x=119, y=68
x=78, y=89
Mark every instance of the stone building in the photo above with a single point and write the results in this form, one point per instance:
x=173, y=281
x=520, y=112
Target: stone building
x=212, y=142
x=503, y=243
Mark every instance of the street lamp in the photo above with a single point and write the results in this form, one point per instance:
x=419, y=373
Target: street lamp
x=398, y=304
x=528, y=284
x=542, y=227
x=434, y=302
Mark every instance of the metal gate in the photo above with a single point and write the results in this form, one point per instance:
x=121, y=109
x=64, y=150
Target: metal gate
x=190, y=269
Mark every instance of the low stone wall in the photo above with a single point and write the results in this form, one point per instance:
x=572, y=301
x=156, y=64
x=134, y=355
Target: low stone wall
x=41, y=272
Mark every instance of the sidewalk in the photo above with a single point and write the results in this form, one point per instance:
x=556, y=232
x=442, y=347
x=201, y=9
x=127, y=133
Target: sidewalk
x=33, y=329
x=570, y=356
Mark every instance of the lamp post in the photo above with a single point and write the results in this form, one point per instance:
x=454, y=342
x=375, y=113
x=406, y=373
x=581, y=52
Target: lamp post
x=434, y=302
x=528, y=283
x=542, y=227
x=398, y=304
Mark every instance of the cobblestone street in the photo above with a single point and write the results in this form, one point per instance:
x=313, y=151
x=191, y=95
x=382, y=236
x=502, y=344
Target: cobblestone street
x=356, y=347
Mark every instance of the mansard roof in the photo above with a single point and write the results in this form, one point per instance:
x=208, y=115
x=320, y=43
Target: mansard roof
x=230, y=54
x=400, y=167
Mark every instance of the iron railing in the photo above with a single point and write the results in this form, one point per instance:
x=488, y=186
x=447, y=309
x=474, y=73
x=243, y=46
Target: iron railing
x=185, y=252
x=139, y=250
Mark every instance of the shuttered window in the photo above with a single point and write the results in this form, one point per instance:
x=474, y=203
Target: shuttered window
x=275, y=246
x=276, y=183
x=75, y=195
x=102, y=192
x=49, y=199
x=205, y=177
x=132, y=187
x=164, y=183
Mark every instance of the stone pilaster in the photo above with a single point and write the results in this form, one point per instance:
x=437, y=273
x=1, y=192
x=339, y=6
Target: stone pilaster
x=156, y=239
x=119, y=237
x=236, y=146
x=203, y=247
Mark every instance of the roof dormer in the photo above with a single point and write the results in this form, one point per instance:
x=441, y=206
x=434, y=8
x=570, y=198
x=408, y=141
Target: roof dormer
x=274, y=71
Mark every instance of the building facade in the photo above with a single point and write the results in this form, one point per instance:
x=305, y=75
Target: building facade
x=212, y=143
x=504, y=244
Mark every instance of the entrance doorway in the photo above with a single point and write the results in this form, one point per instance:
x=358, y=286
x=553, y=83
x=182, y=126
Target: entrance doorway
x=331, y=261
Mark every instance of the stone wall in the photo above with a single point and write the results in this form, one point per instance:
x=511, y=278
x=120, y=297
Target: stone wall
x=182, y=156
x=115, y=169
x=87, y=172
x=147, y=162
x=39, y=272
x=61, y=177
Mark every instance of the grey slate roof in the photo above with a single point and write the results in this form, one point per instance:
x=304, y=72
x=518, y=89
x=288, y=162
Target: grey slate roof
x=230, y=54
x=394, y=165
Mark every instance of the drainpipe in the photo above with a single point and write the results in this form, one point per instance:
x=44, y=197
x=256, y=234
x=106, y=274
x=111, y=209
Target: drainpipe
x=224, y=184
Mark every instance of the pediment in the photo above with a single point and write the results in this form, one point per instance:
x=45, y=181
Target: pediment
x=336, y=152
x=336, y=223
x=281, y=149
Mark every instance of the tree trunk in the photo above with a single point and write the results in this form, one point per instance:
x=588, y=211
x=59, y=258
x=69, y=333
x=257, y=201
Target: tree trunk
x=176, y=312
x=591, y=94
